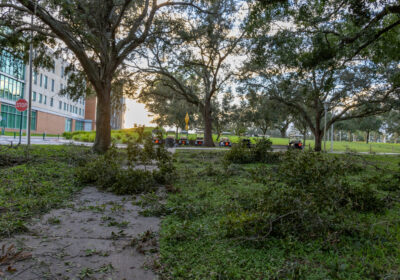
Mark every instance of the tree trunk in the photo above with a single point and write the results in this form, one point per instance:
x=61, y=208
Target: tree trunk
x=283, y=133
x=208, y=140
x=318, y=140
x=367, y=137
x=103, y=118
x=176, y=132
x=218, y=132
x=264, y=131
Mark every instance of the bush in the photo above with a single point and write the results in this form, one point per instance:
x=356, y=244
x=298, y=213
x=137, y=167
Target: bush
x=261, y=152
x=307, y=197
x=107, y=172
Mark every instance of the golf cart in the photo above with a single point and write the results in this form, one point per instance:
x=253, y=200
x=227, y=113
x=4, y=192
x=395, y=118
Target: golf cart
x=157, y=136
x=183, y=140
x=170, y=140
x=225, y=142
x=199, y=139
x=295, y=142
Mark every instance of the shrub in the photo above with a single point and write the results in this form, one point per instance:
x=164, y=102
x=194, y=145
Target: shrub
x=261, y=152
x=308, y=197
x=106, y=171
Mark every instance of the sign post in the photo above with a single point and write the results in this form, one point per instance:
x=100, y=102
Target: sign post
x=21, y=105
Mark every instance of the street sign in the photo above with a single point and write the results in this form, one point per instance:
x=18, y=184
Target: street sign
x=21, y=105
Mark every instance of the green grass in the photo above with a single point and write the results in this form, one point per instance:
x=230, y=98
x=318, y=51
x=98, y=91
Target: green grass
x=118, y=136
x=33, y=183
x=9, y=133
x=121, y=136
x=194, y=244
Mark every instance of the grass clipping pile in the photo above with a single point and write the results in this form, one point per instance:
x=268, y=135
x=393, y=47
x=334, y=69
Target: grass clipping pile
x=116, y=171
x=308, y=195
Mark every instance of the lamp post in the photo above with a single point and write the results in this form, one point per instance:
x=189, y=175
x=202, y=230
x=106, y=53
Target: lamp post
x=28, y=131
x=326, y=113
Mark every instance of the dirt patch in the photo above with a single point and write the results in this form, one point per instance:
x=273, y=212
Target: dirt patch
x=99, y=236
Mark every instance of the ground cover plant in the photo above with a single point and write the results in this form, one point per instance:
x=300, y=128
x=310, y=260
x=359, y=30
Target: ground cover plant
x=311, y=216
x=36, y=180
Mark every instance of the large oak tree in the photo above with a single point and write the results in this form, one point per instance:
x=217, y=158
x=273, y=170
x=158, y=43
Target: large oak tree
x=100, y=34
x=308, y=53
x=196, y=59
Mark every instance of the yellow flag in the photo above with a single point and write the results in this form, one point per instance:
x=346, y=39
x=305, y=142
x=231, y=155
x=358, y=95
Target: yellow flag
x=187, y=121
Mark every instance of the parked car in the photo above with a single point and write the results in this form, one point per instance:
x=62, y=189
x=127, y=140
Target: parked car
x=295, y=142
x=225, y=142
x=183, y=141
x=157, y=137
x=199, y=141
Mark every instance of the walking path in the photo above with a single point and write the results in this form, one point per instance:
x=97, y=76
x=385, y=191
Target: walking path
x=99, y=236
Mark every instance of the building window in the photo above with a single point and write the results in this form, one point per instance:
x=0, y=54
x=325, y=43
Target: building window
x=62, y=71
x=68, y=124
x=52, y=84
x=79, y=125
x=80, y=112
x=41, y=79
x=34, y=96
x=35, y=78
x=45, y=99
x=65, y=106
x=11, y=89
x=11, y=118
x=45, y=81
x=40, y=98
x=61, y=87
x=70, y=108
x=60, y=105
x=51, y=102
x=12, y=65
x=54, y=66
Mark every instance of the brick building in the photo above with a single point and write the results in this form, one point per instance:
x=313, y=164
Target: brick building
x=51, y=113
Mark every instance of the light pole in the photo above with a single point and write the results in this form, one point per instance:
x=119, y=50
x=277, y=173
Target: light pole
x=28, y=132
x=326, y=112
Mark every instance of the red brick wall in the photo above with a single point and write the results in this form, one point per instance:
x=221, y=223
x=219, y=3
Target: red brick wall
x=90, y=110
x=49, y=123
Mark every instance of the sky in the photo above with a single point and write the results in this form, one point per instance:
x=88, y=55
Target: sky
x=136, y=113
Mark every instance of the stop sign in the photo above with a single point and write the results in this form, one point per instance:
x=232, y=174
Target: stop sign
x=21, y=105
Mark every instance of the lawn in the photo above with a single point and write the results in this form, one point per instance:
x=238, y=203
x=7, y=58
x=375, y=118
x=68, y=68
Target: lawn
x=16, y=134
x=195, y=243
x=118, y=136
x=34, y=181
x=122, y=136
